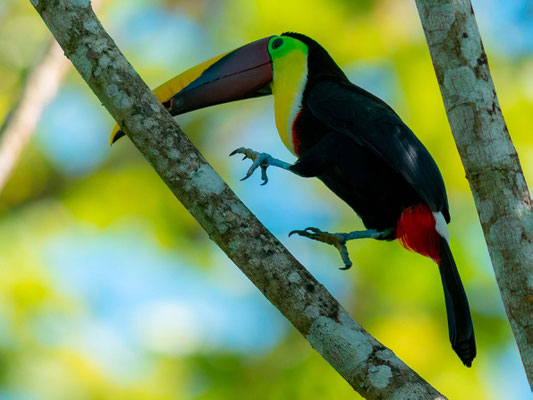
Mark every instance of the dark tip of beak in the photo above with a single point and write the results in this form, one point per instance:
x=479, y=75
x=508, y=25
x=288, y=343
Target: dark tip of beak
x=117, y=136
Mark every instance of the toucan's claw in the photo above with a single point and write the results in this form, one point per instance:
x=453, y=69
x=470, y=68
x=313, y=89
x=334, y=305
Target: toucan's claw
x=264, y=176
x=261, y=160
x=335, y=239
x=345, y=257
x=326, y=237
x=339, y=239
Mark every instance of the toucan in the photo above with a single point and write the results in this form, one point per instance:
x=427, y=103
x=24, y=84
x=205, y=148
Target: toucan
x=346, y=137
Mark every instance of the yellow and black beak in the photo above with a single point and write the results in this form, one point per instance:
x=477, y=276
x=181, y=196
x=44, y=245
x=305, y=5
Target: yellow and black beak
x=239, y=74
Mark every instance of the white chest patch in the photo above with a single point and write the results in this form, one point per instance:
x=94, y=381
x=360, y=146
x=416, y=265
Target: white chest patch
x=441, y=226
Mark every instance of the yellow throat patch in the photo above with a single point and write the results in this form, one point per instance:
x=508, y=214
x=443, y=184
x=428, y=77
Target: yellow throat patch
x=290, y=77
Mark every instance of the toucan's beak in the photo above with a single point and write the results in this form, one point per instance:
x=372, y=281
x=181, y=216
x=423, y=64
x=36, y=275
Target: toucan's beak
x=239, y=74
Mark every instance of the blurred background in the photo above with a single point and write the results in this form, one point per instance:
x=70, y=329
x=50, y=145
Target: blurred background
x=109, y=289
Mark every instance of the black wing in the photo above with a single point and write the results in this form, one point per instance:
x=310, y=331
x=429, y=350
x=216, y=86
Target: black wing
x=348, y=109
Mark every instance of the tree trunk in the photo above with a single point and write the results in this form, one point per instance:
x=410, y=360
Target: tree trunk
x=490, y=160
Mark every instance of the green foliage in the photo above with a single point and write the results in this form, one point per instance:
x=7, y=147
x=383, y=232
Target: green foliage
x=46, y=351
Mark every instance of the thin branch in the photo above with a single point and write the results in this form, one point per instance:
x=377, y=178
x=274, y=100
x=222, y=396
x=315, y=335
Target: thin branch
x=490, y=160
x=40, y=88
x=368, y=366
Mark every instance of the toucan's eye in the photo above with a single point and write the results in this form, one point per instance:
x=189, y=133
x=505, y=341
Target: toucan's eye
x=277, y=43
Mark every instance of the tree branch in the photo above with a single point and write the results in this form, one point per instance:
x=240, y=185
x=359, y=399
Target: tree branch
x=490, y=160
x=40, y=88
x=368, y=366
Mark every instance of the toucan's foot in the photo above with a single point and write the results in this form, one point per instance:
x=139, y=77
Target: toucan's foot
x=335, y=239
x=262, y=160
x=259, y=160
x=339, y=239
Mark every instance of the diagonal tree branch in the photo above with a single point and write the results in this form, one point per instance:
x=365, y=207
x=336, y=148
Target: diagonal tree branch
x=490, y=160
x=368, y=366
x=40, y=88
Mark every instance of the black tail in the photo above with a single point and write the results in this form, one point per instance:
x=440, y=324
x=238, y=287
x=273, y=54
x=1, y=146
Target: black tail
x=459, y=321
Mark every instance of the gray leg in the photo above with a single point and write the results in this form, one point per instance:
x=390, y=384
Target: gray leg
x=262, y=160
x=339, y=239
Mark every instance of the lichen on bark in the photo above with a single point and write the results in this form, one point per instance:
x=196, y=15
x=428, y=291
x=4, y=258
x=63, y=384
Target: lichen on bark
x=490, y=160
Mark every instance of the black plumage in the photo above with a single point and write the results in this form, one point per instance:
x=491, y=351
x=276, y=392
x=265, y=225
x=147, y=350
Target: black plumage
x=381, y=151
x=361, y=149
